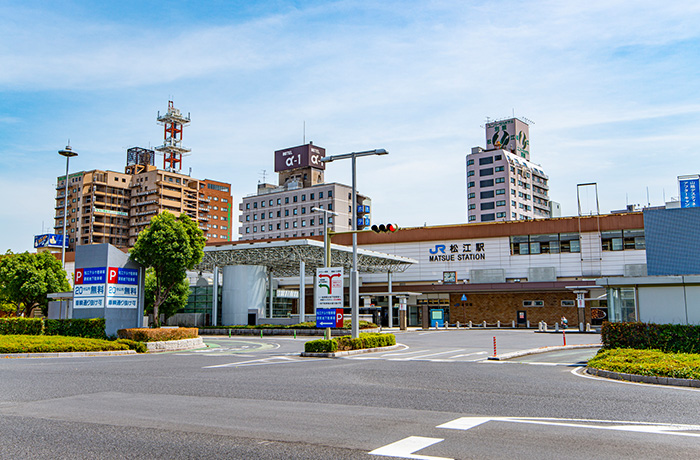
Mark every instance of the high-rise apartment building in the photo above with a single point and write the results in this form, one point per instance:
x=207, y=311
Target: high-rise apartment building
x=113, y=207
x=502, y=183
x=285, y=210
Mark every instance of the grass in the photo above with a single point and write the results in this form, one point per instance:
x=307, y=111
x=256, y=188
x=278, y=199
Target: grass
x=55, y=344
x=648, y=362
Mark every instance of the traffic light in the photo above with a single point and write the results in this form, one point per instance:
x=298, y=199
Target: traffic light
x=384, y=228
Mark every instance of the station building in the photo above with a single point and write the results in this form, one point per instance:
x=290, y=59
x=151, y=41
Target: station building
x=520, y=271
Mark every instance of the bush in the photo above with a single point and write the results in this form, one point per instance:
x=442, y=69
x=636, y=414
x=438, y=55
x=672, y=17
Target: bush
x=93, y=328
x=366, y=340
x=139, y=347
x=648, y=362
x=158, y=334
x=21, y=326
x=321, y=346
x=672, y=338
x=55, y=344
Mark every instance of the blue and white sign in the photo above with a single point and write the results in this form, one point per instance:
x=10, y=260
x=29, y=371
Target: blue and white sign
x=113, y=287
x=48, y=241
x=690, y=191
x=329, y=317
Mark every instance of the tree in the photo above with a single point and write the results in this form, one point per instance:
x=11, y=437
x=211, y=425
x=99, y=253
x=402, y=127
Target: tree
x=176, y=301
x=26, y=279
x=170, y=246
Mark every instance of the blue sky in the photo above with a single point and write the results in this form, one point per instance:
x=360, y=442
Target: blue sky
x=612, y=87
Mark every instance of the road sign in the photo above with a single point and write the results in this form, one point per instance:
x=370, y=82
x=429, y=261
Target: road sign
x=329, y=317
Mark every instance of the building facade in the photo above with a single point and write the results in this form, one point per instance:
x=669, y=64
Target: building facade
x=113, y=207
x=285, y=210
x=502, y=183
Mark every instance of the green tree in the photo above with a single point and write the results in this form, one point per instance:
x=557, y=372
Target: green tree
x=26, y=279
x=170, y=246
x=176, y=301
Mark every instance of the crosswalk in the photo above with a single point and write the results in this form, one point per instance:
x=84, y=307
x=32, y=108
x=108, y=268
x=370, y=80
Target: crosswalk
x=427, y=354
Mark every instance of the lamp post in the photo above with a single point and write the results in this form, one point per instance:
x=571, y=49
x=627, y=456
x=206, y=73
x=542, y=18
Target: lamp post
x=68, y=153
x=354, y=278
x=326, y=239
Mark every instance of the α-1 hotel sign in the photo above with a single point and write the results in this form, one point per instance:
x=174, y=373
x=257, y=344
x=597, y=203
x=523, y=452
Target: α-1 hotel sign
x=110, y=287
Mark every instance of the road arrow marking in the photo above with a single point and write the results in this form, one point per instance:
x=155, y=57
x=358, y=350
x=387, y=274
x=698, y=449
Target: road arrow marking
x=466, y=423
x=406, y=447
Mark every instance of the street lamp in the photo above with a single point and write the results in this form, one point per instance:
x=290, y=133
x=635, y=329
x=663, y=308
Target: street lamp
x=68, y=153
x=354, y=278
x=326, y=239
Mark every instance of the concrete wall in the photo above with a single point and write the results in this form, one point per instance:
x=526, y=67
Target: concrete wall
x=244, y=288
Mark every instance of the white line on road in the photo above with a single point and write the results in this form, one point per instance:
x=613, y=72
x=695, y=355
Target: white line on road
x=405, y=448
x=468, y=354
x=263, y=362
x=429, y=354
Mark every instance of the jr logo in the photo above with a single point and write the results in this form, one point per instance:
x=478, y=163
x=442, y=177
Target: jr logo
x=438, y=248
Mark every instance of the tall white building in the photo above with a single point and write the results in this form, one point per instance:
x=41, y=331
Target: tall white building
x=285, y=210
x=502, y=183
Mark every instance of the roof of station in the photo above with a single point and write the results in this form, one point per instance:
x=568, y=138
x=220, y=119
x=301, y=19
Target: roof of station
x=282, y=257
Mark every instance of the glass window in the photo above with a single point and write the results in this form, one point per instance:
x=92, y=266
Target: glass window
x=472, y=195
x=634, y=239
x=487, y=194
x=470, y=184
x=487, y=205
x=303, y=198
x=470, y=173
x=312, y=196
x=611, y=240
x=294, y=198
x=569, y=242
x=486, y=183
x=485, y=160
x=320, y=195
x=622, y=304
x=501, y=191
x=330, y=193
x=486, y=172
x=470, y=162
x=488, y=217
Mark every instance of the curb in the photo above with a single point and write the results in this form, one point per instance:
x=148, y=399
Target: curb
x=643, y=378
x=175, y=345
x=69, y=354
x=535, y=351
x=339, y=354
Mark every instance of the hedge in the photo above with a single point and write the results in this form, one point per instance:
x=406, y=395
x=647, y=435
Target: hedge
x=93, y=328
x=55, y=344
x=671, y=338
x=158, y=334
x=344, y=343
x=21, y=326
x=648, y=362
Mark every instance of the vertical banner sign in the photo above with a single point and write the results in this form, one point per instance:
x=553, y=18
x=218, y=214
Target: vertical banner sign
x=122, y=287
x=690, y=191
x=329, y=288
x=89, y=287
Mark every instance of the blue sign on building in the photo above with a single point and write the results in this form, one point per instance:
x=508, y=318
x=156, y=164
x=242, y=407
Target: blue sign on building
x=48, y=241
x=690, y=191
x=128, y=276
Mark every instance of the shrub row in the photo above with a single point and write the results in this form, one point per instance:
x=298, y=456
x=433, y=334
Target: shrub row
x=672, y=338
x=158, y=334
x=93, y=328
x=648, y=362
x=55, y=344
x=21, y=326
x=88, y=328
x=365, y=340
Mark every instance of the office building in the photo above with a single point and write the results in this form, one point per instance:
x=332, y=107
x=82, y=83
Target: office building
x=285, y=210
x=502, y=183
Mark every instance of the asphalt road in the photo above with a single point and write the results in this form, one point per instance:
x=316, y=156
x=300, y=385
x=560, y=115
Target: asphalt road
x=436, y=397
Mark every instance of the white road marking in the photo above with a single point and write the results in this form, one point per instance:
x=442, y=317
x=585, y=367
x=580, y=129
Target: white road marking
x=406, y=447
x=425, y=356
x=466, y=423
x=263, y=362
x=468, y=354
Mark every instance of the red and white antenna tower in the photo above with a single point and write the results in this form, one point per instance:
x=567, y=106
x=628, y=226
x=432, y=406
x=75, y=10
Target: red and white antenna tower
x=172, y=150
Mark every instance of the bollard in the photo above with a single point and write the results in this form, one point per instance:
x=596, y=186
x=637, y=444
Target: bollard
x=261, y=332
x=484, y=324
x=588, y=327
x=498, y=324
x=580, y=327
x=470, y=324
x=556, y=327
x=229, y=332
x=457, y=324
x=528, y=324
x=563, y=333
x=494, y=346
x=513, y=324
x=544, y=326
x=295, y=333
x=539, y=326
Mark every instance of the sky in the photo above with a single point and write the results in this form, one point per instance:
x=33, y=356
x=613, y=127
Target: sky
x=612, y=89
